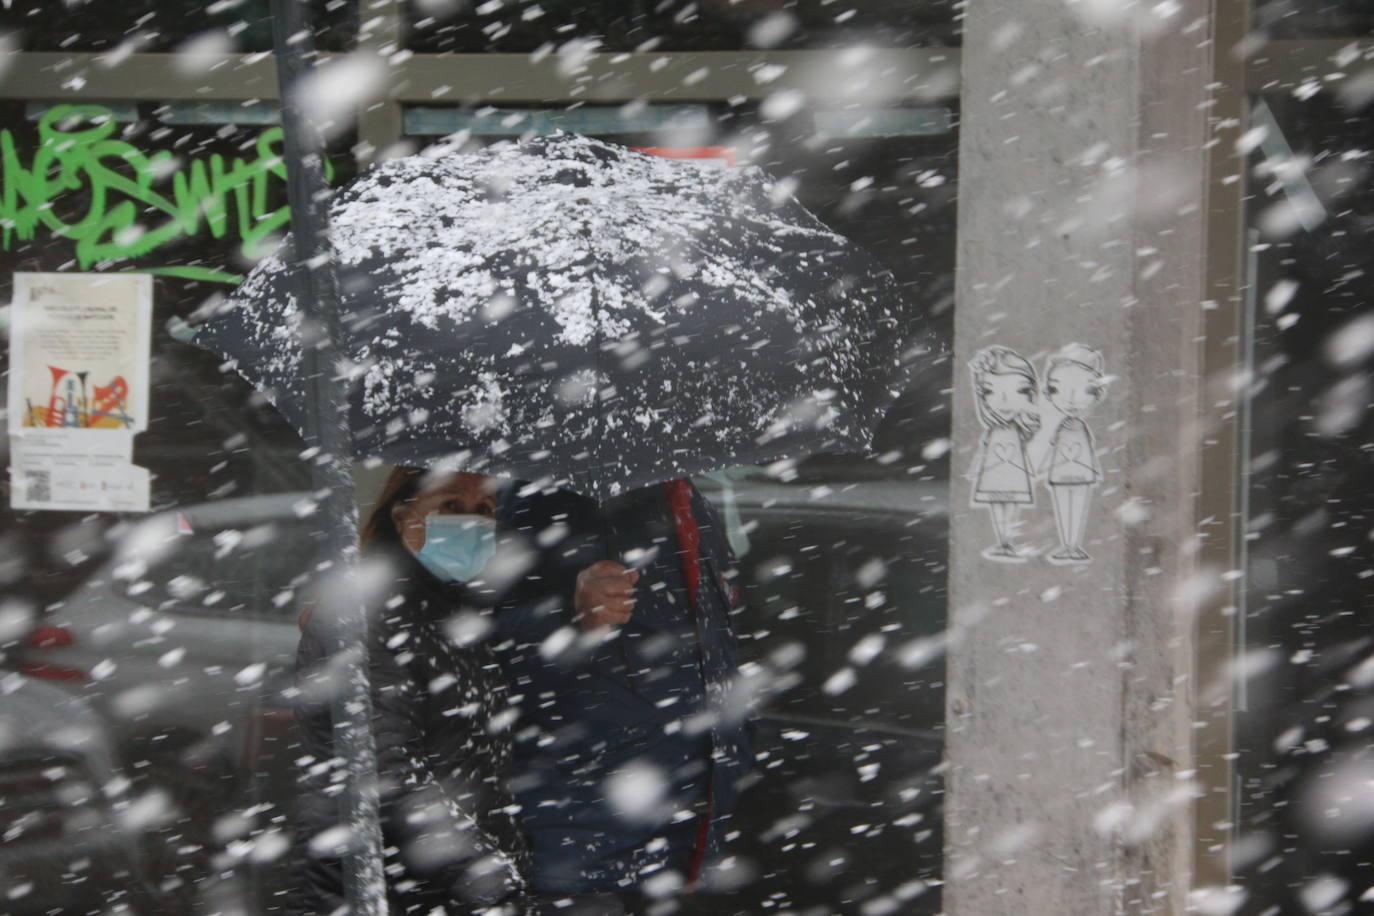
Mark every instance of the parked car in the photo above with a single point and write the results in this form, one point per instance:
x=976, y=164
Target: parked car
x=182, y=644
x=844, y=621
x=69, y=817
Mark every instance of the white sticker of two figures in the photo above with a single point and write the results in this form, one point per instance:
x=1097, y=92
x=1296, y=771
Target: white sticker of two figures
x=1034, y=431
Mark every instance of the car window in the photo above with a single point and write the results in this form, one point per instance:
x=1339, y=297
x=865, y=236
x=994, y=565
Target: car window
x=257, y=570
x=783, y=572
x=861, y=597
x=888, y=608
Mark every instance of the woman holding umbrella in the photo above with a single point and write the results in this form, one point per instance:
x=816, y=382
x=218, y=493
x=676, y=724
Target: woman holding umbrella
x=439, y=705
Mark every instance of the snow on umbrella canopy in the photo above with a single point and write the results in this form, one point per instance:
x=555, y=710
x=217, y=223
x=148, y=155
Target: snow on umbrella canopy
x=572, y=310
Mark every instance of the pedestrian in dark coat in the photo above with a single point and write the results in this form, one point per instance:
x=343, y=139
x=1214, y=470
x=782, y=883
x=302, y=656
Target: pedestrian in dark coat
x=440, y=715
x=619, y=646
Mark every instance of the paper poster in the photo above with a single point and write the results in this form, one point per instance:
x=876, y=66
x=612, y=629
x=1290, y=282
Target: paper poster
x=78, y=390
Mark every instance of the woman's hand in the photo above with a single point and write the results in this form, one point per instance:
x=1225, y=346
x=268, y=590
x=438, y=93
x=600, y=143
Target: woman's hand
x=605, y=594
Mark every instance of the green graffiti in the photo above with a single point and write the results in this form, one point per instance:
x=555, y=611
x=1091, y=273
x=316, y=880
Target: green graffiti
x=135, y=202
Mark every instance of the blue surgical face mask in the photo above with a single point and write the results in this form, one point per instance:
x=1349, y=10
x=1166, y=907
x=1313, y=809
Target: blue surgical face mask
x=457, y=547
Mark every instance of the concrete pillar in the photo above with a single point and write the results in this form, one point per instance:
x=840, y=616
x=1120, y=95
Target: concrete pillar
x=1073, y=689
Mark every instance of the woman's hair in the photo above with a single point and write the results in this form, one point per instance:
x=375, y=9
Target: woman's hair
x=1003, y=361
x=401, y=485
x=1078, y=355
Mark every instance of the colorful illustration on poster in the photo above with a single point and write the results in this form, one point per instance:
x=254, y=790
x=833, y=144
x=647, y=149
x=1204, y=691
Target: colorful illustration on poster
x=73, y=404
x=79, y=352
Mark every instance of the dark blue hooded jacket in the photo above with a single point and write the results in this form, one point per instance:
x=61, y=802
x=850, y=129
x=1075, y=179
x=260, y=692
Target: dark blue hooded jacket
x=624, y=742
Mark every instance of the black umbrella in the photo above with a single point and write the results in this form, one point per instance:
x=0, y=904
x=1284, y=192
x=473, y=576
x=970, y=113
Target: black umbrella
x=569, y=309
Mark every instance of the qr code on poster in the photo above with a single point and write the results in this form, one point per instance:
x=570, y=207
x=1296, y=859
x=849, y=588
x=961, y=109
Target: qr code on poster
x=38, y=486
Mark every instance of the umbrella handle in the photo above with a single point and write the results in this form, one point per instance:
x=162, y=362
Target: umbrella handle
x=609, y=553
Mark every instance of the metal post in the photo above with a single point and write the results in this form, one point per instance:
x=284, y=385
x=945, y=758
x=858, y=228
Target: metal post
x=1223, y=470
x=317, y=297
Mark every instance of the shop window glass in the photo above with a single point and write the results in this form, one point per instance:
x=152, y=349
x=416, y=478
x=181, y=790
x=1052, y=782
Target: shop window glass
x=1296, y=19
x=1304, y=623
x=163, y=681
x=180, y=664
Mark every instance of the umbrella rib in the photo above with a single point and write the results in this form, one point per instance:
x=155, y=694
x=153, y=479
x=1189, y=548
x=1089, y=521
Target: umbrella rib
x=598, y=424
